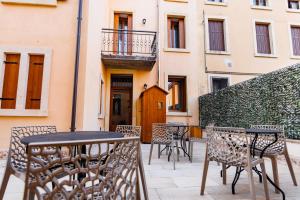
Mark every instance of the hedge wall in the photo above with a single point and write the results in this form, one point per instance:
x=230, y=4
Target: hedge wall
x=272, y=98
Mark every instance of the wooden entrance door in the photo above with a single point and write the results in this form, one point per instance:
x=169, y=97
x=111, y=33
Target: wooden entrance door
x=120, y=101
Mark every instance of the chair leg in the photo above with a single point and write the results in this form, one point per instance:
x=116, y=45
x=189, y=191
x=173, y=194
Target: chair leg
x=204, y=176
x=275, y=172
x=224, y=173
x=289, y=163
x=251, y=183
x=177, y=151
x=191, y=150
x=173, y=155
x=142, y=175
x=265, y=181
x=4, y=182
x=150, y=155
x=158, y=151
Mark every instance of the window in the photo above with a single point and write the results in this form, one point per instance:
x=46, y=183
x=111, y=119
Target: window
x=295, y=33
x=294, y=4
x=25, y=80
x=219, y=83
x=216, y=35
x=263, y=41
x=260, y=2
x=176, y=32
x=10, y=82
x=177, y=94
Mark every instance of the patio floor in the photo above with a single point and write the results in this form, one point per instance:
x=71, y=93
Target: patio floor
x=184, y=183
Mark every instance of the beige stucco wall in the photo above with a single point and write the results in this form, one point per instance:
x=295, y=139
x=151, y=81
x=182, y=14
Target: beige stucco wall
x=55, y=28
x=43, y=27
x=241, y=37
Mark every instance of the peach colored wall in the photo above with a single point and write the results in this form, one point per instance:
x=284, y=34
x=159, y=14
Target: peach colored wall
x=241, y=38
x=43, y=27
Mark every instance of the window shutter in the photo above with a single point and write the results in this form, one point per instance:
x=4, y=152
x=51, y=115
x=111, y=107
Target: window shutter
x=10, y=82
x=169, y=33
x=216, y=35
x=263, y=39
x=129, y=36
x=116, y=34
x=35, y=80
x=181, y=34
x=296, y=40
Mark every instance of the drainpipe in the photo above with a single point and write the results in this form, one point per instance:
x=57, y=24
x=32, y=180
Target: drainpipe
x=75, y=85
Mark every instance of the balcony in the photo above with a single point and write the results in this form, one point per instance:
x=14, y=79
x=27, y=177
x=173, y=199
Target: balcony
x=129, y=49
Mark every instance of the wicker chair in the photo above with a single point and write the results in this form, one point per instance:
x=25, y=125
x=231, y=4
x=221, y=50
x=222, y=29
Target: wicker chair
x=230, y=146
x=17, y=157
x=275, y=150
x=129, y=130
x=111, y=171
x=161, y=135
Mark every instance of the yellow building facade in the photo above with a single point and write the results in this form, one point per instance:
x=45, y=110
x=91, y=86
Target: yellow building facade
x=186, y=47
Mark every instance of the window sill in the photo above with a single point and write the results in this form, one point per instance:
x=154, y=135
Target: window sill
x=293, y=10
x=216, y=3
x=175, y=50
x=295, y=57
x=265, y=55
x=261, y=7
x=101, y=116
x=179, y=1
x=218, y=52
x=31, y=2
x=179, y=114
x=23, y=113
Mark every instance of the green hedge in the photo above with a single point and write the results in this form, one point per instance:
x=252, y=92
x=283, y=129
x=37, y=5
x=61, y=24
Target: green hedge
x=273, y=98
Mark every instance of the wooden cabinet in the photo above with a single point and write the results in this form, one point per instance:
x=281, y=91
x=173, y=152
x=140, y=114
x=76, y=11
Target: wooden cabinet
x=153, y=110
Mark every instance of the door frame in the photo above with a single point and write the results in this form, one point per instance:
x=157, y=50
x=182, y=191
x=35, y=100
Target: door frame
x=130, y=90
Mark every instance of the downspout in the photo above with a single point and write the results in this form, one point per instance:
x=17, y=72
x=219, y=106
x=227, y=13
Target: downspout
x=75, y=85
x=204, y=43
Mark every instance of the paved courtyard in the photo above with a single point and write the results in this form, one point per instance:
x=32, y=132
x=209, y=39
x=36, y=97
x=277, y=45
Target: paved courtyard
x=184, y=183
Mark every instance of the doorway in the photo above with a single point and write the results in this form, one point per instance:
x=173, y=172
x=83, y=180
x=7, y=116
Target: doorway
x=120, y=101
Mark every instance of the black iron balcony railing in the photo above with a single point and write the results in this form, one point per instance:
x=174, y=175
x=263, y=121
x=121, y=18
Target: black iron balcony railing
x=129, y=43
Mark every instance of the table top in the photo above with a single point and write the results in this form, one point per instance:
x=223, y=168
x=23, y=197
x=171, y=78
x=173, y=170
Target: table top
x=71, y=136
x=262, y=131
x=178, y=125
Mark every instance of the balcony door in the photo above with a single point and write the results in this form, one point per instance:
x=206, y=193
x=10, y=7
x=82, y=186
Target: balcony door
x=120, y=101
x=123, y=34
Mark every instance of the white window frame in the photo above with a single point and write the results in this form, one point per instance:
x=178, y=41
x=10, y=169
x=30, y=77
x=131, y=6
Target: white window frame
x=273, y=45
x=290, y=9
x=293, y=56
x=187, y=83
x=186, y=30
x=23, y=79
x=224, y=3
x=102, y=100
x=211, y=76
x=226, y=35
x=267, y=7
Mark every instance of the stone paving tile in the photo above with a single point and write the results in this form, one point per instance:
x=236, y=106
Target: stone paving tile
x=184, y=183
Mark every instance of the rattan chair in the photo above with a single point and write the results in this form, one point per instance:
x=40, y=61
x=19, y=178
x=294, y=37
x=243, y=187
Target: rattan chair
x=161, y=135
x=129, y=130
x=275, y=150
x=230, y=146
x=17, y=157
x=110, y=167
